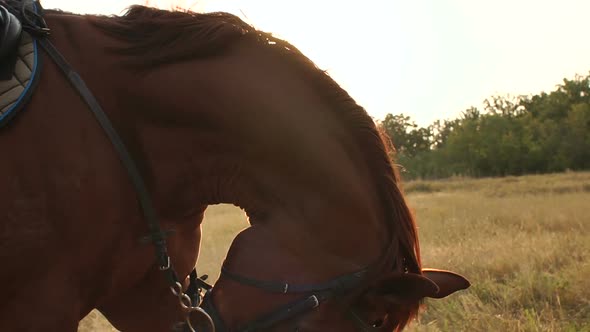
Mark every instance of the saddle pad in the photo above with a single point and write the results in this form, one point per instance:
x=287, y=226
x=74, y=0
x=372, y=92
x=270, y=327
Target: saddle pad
x=14, y=93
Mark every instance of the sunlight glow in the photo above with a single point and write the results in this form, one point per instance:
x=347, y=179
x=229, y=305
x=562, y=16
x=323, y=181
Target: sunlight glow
x=430, y=59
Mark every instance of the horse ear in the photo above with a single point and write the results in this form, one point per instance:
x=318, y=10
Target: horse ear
x=411, y=287
x=402, y=288
x=448, y=282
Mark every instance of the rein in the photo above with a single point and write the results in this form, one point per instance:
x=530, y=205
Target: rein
x=31, y=13
x=198, y=297
x=156, y=235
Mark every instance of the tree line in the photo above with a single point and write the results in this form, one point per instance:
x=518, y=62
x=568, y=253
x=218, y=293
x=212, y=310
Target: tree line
x=547, y=132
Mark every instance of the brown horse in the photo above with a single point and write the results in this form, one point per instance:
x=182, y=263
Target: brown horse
x=212, y=111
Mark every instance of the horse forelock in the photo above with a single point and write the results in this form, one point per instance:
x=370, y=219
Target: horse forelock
x=155, y=37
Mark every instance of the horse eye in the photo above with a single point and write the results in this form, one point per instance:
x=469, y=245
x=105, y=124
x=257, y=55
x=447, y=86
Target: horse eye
x=378, y=323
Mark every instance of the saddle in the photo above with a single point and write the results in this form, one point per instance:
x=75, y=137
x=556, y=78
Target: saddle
x=20, y=63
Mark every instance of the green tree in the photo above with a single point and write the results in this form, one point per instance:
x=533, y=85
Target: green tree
x=406, y=136
x=546, y=132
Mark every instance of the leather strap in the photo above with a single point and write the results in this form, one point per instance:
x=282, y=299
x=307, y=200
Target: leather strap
x=337, y=284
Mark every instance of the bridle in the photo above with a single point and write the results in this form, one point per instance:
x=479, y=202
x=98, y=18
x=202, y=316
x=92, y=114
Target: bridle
x=313, y=296
x=198, y=297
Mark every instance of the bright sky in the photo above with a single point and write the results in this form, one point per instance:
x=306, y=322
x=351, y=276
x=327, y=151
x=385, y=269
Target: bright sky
x=430, y=59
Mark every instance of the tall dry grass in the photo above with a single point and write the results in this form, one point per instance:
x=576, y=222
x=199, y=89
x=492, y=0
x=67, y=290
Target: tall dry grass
x=524, y=242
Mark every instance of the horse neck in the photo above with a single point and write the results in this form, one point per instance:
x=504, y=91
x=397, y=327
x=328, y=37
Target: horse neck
x=242, y=128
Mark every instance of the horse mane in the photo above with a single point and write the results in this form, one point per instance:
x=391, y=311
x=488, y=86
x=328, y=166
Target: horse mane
x=156, y=37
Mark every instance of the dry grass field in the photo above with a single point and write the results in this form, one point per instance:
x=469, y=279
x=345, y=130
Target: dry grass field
x=524, y=242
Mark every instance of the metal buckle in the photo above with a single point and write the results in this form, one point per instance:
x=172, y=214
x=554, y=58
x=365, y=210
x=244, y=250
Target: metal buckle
x=316, y=301
x=167, y=266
